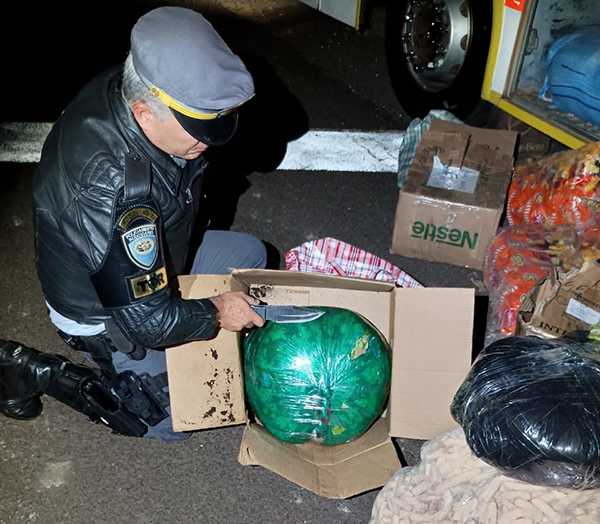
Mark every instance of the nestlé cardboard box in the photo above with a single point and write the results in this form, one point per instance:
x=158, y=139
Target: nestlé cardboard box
x=452, y=201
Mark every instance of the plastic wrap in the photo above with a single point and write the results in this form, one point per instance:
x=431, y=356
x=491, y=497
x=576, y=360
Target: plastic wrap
x=324, y=381
x=552, y=212
x=531, y=408
x=517, y=257
x=572, y=72
x=450, y=485
x=559, y=189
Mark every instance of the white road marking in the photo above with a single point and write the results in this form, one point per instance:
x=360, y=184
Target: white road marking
x=344, y=151
x=318, y=150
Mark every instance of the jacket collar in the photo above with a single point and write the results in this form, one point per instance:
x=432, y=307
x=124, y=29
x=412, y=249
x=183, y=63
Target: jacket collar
x=163, y=165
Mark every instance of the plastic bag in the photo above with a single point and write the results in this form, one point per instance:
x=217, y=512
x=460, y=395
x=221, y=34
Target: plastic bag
x=324, y=381
x=517, y=257
x=552, y=212
x=572, y=72
x=530, y=407
x=450, y=485
x=413, y=135
x=334, y=257
x=559, y=189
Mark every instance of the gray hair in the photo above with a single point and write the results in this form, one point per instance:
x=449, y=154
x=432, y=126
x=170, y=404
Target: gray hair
x=134, y=90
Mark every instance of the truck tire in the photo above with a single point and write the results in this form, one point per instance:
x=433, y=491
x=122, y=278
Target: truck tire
x=436, y=52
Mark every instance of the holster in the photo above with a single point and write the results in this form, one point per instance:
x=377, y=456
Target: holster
x=101, y=406
x=142, y=395
x=139, y=399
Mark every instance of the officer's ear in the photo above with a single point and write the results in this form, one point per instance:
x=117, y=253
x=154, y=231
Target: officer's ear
x=143, y=114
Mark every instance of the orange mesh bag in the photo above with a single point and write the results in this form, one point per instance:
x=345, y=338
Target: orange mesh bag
x=558, y=189
x=589, y=243
x=517, y=257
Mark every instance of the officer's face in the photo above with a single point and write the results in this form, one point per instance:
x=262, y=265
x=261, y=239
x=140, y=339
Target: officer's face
x=167, y=135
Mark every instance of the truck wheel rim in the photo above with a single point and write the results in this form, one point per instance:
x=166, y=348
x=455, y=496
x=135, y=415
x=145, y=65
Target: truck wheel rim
x=436, y=36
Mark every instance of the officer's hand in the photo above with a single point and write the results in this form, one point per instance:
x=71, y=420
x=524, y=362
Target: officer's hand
x=235, y=312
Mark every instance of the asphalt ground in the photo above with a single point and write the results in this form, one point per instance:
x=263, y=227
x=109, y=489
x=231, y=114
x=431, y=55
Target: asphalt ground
x=311, y=73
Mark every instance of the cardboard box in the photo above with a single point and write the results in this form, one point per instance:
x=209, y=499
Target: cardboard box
x=452, y=201
x=562, y=303
x=531, y=144
x=429, y=329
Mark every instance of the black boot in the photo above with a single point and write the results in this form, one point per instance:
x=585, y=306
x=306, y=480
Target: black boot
x=26, y=373
x=19, y=392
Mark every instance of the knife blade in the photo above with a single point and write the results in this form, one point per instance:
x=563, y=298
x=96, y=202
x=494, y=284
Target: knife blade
x=287, y=314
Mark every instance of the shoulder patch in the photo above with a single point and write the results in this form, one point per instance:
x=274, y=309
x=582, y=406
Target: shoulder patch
x=144, y=213
x=140, y=236
x=141, y=245
x=149, y=283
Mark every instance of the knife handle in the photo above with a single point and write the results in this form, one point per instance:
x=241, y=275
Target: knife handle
x=261, y=310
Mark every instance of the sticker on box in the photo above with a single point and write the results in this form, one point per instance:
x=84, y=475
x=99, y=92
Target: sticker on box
x=453, y=178
x=582, y=312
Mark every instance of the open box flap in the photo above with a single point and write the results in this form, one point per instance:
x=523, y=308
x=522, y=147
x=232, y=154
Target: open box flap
x=432, y=341
x=500, y=140
x=205, y=376
x=277, y=277
x=331, y=471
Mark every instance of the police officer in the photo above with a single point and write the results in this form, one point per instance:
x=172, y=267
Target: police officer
x=117, y=195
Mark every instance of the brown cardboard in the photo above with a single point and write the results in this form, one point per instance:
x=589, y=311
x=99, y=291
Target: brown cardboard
x=429, y=359
x=454, y=225
x=532, y=143
x=562, y=303
x=335, y=471
x=429, y=329
x=206, y=369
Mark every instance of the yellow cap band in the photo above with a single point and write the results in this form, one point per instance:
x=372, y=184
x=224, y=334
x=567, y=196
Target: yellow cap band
x=169, y=101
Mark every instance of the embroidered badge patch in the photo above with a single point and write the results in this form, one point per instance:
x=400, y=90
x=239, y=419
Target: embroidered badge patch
x=141, y=244
x=150, y=283
x=138, y=213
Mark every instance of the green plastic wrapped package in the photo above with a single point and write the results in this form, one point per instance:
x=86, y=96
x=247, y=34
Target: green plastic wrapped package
x=324, y=381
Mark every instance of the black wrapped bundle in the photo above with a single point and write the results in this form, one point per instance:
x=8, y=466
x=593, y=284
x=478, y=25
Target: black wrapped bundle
x=531, y=407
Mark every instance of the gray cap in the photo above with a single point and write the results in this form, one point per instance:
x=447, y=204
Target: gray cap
x=190, y=68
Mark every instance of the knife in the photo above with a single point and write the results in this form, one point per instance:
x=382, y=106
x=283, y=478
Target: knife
x=287, y=314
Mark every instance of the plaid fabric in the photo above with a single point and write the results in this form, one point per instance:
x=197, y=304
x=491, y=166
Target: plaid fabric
x=411, y=139
x=333, y=257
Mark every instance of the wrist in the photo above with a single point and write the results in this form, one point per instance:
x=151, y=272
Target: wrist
x=216, y=301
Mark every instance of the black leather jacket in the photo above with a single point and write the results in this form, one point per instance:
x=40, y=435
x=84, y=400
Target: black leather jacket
x=80, y=259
